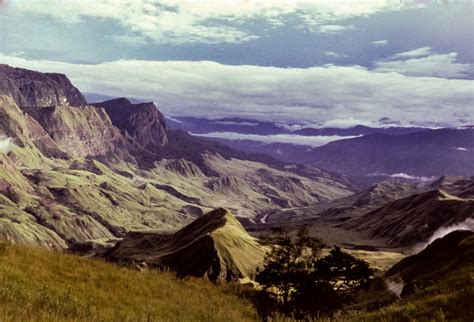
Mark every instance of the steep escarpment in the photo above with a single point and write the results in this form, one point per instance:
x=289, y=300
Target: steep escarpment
x=143, y=122
x=215, y=246
x=34, y=89
x=26, y=132
x=81, y=131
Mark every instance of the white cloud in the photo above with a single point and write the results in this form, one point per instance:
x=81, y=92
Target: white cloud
x=292, y=127
x=334, y=54
x=419, y=52
x=347, y=122
x=313, y=141
x=5, y=144
x=380, y=43
x=327, y=95
x=422, y=62
x=236, y=123
x=174, y=119
x=206, y=21
x=410, y=177
x=333, y=29
x=396, y=287
x=461, y=149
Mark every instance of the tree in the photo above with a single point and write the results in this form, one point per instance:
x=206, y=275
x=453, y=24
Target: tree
x=298, y=283
x=343, y=271
x=288, y=265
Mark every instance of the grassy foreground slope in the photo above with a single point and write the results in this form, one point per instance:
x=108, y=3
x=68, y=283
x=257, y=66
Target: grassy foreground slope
x=40, y=285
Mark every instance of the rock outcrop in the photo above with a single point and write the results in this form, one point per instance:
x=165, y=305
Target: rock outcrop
x=33, y=89
x=143, y=122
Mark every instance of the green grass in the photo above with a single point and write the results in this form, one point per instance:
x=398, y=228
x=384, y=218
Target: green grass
x=41, y=285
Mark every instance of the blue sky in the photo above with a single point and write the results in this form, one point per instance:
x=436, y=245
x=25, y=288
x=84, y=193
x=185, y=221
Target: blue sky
x=319, y=63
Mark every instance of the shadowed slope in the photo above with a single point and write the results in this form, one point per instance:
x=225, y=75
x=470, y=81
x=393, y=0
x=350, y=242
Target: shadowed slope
x=413, y=219
x=435, y=284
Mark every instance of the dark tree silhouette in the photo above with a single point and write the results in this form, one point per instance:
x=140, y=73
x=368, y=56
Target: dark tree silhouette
x=342, y=270
x=288, y=265
x=295, y=282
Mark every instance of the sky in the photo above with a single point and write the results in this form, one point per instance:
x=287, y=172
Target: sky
x=316, y=63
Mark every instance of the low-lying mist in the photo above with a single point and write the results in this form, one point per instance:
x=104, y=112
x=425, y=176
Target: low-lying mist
x=5, y=144
x=467, y=224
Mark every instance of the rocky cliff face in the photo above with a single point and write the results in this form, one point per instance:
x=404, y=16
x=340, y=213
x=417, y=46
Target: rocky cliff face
x=29, y=88
x=143, y=122
x=80, y=131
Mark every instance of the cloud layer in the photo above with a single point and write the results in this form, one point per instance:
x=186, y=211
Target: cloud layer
x=208, y=22
x=423, y=62
x=312, y=141
x=330, y=95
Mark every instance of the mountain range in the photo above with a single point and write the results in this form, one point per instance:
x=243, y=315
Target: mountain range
x=78, y=172
x=251, y=126
x=424, y=153
x=364, y=153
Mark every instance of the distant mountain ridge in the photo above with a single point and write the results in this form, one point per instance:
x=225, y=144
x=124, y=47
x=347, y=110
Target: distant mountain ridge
x=425, y=153
x=358, y=130
x=252, y=126
x=391, y=214
x=369, y=154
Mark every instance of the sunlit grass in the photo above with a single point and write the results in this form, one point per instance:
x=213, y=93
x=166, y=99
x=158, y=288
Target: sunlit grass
x=37, y=284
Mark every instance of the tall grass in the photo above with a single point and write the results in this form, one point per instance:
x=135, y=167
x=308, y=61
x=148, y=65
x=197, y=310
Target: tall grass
x=40, y=285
